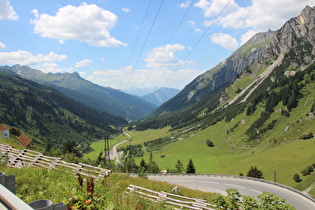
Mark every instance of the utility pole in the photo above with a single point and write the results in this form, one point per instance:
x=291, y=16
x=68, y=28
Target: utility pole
x=106, y=152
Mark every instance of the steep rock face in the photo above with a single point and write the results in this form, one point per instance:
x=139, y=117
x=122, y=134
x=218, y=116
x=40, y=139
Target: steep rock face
x=295, y=28
x=235, y=64
x=220, y=75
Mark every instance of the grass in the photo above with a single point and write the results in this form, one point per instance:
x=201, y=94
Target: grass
x=11, y=141
x=63, y=187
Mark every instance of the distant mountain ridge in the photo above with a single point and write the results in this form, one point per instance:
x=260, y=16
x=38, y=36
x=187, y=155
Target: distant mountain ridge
x=106, y=99
x=161, y=95
x=48, y=115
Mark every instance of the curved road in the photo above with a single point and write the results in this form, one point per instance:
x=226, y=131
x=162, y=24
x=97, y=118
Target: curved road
x=115, y=153
x=245, y=187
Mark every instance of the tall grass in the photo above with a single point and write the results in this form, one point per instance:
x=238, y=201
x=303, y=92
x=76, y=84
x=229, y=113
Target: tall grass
x=35, y=184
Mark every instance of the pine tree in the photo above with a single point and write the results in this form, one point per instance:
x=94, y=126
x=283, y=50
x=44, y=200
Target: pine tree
x=143, y=165
x=153, y=167
x=179, y=167
x=190, y=167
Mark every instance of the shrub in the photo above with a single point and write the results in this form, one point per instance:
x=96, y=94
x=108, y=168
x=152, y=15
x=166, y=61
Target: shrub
x=305, y=172
x=297, y=178
x=307, y=136
x=254, y=172
x=210, y=143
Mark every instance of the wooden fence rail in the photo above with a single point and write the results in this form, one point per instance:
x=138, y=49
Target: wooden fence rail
x=171, y=199
x=28, y=158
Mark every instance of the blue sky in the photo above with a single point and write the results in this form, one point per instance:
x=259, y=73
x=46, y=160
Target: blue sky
x=141, y=43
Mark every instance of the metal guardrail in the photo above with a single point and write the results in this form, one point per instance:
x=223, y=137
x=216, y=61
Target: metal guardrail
x=241, y=177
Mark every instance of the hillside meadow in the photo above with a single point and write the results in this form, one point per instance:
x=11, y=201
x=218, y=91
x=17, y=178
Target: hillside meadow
x=279, y=153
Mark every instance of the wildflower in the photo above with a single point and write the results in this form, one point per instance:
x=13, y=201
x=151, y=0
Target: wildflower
x=87, y=202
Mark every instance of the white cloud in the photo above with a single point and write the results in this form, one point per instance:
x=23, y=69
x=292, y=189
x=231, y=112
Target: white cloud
x=86, y=23
x=144, y=78
x=235, y=19
x=82, y=63
x=261, y=15
x=49, y=67
x=125, y=10
x=43, y=62
x=270, y=14
x=164, y=56
x=6, y=11
x=225, y=40
x=35, y=12
x=191, y=22
x=245, y=37
x=214, y=7
x=2, y=46
x=185, y=4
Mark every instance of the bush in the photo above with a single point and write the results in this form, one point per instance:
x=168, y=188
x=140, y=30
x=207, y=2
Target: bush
x=297, y=178
x=254, y=172
x=210, y=143
x=307, y=136
x=305, y=172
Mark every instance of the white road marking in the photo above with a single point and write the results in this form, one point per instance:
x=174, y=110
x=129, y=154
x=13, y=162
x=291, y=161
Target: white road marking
x=183, y=180
x=232, y=185
x=209, y=182
x=256, y=191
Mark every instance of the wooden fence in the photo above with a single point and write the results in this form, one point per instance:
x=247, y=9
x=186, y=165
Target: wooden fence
x=171, y=199
x=28, y=158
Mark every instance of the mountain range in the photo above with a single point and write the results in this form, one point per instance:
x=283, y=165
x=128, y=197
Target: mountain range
x=161, y=95
x=48, y=116
x=105, y=99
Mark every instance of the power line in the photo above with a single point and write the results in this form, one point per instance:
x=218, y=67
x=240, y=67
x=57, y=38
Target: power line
x=150, y=30
x=179, y=24
x=137, y=39
x=181, y=63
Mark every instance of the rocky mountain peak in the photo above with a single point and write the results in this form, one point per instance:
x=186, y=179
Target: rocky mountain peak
x=292, y=30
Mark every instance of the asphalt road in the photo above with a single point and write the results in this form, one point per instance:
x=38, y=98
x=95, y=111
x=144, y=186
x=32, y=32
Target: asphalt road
x=114, y=152
x=245, y=187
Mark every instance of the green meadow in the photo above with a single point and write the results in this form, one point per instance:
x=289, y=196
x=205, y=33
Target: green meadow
x=279, y=153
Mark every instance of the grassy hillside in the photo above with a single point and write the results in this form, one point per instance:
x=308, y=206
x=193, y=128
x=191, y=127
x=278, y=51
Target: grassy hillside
x=279, y=150
x=49, y=117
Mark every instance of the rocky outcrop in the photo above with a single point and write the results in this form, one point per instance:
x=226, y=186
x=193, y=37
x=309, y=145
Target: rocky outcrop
x=292, y=31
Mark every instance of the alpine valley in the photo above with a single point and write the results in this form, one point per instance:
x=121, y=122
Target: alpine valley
x=256, y=108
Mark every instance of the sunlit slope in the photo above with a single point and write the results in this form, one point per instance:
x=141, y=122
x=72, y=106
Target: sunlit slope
x=279, y=149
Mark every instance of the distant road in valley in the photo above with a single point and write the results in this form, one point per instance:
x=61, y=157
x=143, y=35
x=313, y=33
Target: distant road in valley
x=245, y=186
x=115, y=153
